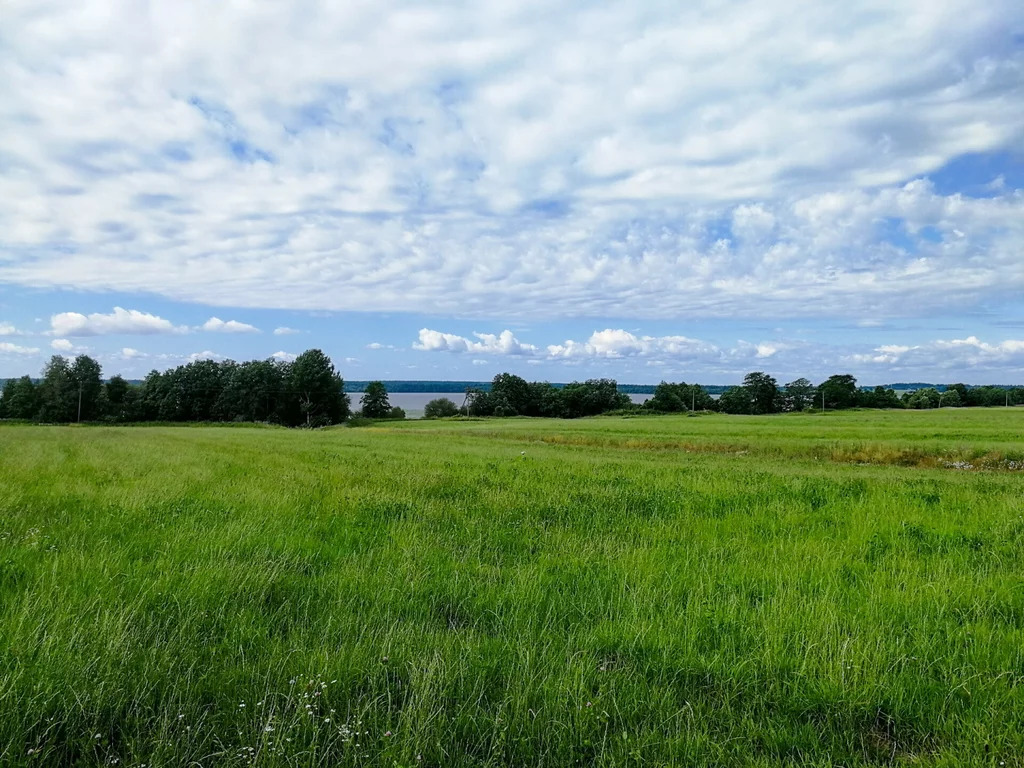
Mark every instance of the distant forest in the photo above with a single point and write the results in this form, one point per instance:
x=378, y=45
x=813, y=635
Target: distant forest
x=485, y=386
x=423, y=386
x=310, y=392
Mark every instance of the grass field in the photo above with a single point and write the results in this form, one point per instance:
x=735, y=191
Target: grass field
x=845, y=589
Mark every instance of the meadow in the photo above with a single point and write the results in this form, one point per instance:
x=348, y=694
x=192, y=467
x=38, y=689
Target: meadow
x=799, y=590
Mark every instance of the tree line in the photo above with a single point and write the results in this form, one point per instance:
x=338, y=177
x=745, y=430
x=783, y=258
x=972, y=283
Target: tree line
x=305, y=392
x=761, y=393
x=309, y=392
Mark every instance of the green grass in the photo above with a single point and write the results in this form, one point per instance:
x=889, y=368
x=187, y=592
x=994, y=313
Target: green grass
x=711, y=591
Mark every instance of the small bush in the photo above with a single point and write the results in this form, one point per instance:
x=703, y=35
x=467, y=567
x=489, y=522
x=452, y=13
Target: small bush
x=440, y=408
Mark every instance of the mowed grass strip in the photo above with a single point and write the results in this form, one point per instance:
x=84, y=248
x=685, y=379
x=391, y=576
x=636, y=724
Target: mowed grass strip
x=431, y=595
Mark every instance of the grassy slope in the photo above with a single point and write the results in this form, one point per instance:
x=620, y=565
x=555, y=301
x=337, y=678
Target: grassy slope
x=607, y=599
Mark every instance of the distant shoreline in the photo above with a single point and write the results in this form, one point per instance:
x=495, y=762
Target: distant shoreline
x=447, y=387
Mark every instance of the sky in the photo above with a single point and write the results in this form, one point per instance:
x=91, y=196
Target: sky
x=560, y=189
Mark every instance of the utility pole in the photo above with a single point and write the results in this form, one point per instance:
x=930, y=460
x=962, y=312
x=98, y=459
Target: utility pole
x=79, y=402
x=823, y=401
x=693, y=399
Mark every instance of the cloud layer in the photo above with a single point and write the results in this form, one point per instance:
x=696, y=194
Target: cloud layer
x=947, y=354
x=7, y=348
x=120, y=321
x=754, y=159
x=216, y=325
x=131, y=322
x=677, y=354
x=504, y=343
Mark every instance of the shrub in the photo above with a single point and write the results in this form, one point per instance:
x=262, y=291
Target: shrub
x=440, y=408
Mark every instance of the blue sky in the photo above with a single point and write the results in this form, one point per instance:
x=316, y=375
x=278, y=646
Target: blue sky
x=448, y=190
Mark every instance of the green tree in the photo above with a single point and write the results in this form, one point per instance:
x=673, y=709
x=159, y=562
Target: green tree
x=798, y=394
x=928, y=397
x=440, y=408
x=950, y=399
x=592, y=397
x=764, y=392
x=120, y=400
x=87, y=377
x=700, y=400
x=840, y=391
x=20, y=399
x=158, y=399
x=510, y=394
x=252, y=391
x=879, y=397
x=58, y=393
x=116, y=390
x=318, y=392
x=736, y=400
x=478, y=402
x=200, y=384
x=961, y=390
x=671, y=398
x=374, y=401
x=543, y=399
x=667, y=398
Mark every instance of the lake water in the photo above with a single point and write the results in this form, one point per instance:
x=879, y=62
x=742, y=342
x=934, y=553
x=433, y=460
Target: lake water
x=413, y=403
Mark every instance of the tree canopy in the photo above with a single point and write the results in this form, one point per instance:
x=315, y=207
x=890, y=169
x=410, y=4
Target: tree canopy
x=374, y=402
x=310, y=392
x=440, y=408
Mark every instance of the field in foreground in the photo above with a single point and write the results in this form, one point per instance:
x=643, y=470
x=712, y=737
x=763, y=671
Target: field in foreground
x=845, y=589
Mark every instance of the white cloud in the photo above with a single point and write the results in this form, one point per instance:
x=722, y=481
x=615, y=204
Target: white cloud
x=623, y=354
x=216, y=325
x=6, y=329
x=284, y=357
x=120, y=321
x=505, y=343
x=204, y=355
x=485, y=159
x=968, y=354
x=285, y=331
x=618, y=343
x=615, y=344
x=375, y=345
x=128, y=353
x=62, y=345
x=13, y=349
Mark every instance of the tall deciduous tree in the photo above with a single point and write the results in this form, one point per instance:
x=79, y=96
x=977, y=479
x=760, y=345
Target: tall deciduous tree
x=252, y=391
x=20, y=399
x=736, y=400
x=374, y=401
x=950, y=399
x=592, y=397
x=317, y=389
x=58, y=394
x=840, y=391
x=671, y=398
x=87, y=378
x=509, y=395
x=764, y=392
x=120, y=400
x=798, y=395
